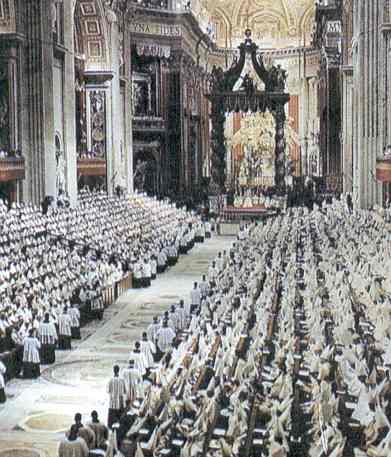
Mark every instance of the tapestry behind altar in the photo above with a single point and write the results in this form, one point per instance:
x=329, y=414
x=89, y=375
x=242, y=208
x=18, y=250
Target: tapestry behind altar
x=253, y=149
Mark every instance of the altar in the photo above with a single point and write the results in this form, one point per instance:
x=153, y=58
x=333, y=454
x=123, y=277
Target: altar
x=252, y=207
x=258, y=201
x=251, y=170
x=251, y=148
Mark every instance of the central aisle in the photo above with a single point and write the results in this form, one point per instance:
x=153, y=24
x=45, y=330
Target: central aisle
x=39, y=411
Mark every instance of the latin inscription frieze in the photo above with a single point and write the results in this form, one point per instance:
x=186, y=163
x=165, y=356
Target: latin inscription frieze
x=150, y=28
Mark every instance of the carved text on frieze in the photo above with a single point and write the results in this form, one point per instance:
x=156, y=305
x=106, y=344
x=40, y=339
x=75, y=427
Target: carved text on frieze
x=147, y=28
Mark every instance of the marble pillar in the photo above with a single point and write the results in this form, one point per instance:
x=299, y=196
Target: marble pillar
x=184, y=180
x=387, y=88
x=304, y=114
x=280, y=117
x=368, y=74
x=309, y=123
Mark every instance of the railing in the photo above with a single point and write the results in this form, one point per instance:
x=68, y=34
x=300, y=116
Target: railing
x=110, y=295
x=113, y=292
x=125, y=284
x=168, y=5
x=153, y=4
x=11, y=169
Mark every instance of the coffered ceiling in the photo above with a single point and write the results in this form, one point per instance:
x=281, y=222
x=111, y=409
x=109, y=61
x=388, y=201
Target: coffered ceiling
x=274, y=23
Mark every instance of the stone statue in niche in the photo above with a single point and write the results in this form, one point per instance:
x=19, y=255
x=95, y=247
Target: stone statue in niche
x=54, y=16
x=139, y=174
x=60, y=172
x=60, y=166
x=3, y=112
x=137, y=96
x=121, y=53
x=110, y=13
x=122, y=152
x=141, y=97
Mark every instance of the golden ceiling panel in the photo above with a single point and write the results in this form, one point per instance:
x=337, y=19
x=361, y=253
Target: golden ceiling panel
x=274, y=23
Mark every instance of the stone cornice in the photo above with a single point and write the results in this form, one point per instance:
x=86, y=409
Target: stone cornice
x=186, y=19
x=11, y=39
x=98, y=78
x=283, y=52
x=189, y=39
x=347, y=69
x=385, y=28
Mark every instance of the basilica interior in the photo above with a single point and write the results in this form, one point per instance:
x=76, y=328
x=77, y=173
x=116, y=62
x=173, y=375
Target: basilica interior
x=115, y=93
x=222, y=167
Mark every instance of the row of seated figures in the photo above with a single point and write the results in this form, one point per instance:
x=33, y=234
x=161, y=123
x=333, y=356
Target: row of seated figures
x=255, y=201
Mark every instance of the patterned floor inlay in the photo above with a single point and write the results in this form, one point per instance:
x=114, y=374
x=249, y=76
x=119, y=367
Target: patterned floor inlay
x=93, y=373
x=19, y=452
x=170, y=297
x=37, y=409
x=47, y=422
x=136, y=323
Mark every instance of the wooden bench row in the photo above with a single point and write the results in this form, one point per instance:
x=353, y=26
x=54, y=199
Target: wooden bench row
x=112, y=293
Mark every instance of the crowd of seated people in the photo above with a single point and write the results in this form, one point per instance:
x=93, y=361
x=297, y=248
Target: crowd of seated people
x=14, y=154
x=154, y=4
x=287, y=353
x=55, y=267
x=90, y=155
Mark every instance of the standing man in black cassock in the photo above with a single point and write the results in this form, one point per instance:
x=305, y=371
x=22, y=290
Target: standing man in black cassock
x=117, y=391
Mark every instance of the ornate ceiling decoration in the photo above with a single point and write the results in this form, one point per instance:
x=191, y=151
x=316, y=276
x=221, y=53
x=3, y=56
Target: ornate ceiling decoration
x=274, y=23
x=7, y=16
x=91, y=34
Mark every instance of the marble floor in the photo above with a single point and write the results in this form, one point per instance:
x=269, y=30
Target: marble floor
x=37, y=412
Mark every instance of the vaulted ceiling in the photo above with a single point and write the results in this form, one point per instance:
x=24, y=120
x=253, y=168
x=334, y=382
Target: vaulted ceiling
x=274, y=23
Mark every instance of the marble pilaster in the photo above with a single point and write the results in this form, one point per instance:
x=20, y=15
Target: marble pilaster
x=114, y=111
x=347, y=128
x=128, y=131
x=98, y=118
x=69, y=108
x=37, y=102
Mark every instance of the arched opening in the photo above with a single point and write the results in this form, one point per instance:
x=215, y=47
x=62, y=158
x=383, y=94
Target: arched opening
x=306, y=25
